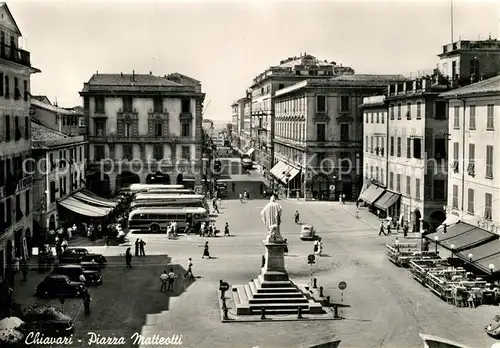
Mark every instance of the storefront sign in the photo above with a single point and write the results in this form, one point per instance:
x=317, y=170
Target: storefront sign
x=25, y=183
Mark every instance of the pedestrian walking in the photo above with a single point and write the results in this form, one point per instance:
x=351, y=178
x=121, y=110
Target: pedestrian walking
x=382, y=231
x=171, y=279
x=316, y=247
x=137, y=247
x=206, y=252
x=141, y=248
x=128, y=258
x=343, y=198
x=241, y=197
x=285, y=250
x=216, y=207
x=189, y=269
x=226, y=229
x=297, y=217
x=389, y=227
x=86, y=301
x=405, y=230
x=233, y=186
x=163, y=281
x=24, y=269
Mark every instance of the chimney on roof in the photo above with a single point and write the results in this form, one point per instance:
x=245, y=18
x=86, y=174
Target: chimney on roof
x=150, y=73
x=121, y=74
x=133, y=75
x=97, y=72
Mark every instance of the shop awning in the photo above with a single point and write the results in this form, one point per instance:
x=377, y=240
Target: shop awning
x=250, y=152
x=387, y=200
x=92, y=200
x=462, y=236
x=483, y=256
x=371, y=194
x=289, y=170
x=277, y=170
x=84, y=209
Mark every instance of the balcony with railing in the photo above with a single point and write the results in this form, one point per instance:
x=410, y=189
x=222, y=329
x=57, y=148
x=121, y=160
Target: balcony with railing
x=147, y=139
x=15, y=55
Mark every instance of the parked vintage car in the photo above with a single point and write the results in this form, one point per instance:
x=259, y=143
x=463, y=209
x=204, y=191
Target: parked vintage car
x=77, y=255
x=74, y=272
x=59, y=285
x=307, y=232
x=493, y=328
x=48, y=321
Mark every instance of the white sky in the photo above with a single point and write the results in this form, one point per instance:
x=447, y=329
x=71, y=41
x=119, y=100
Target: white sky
x=226, y=44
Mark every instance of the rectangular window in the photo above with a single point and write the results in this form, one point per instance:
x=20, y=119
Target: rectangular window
x=490, y=118
x=372, y=145
x=80, y=157
x=186, y=130
x=8, y=130
x=99, y=105
x=344, y=103
x=127, y=104
x=472, y=117
x=398, y=182
x=419, y=110
x=128, y=152
x=417, y=189
x=399, y=147
x=52, y=191
x=100, y=128
x=344, y=132
x=441, y=107
x=391, y=181
x=378, y=117
x=472, y=160
x=456, y=117
x=392, y=147
x=456, y=155
x=158, y=129
x=408, y=186
x=25, y=90
x=399, y=111
x=489, y=162
x=371, y=172
x=186, y=152
x=367, y=145
x=17, y=91
x=158, y=152
x=19, y=213
x=455, y=197
x=417, y=148
x=321, y=132
x=27, y=124
x=408, y=147
x=371, y=117
x=382, y=116
x=186, y=105
x=27, y=202
x=408, y=111
x=17, y=130
x=7, y=87
x=488, y=200
x=127, y=127
x=1, y=84
x=321, y=103
x=381, y=175
x=470, y=201
x=99, y=153
x=367, y=117
x=440, y=189
x=8, y=209
x=391, y=112
x=158, y=104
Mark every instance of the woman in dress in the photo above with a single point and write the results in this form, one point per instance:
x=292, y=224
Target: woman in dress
x=206, y=252
x=128, y=258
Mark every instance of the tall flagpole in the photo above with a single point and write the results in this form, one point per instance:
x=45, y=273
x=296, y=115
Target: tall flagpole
x=451, y=22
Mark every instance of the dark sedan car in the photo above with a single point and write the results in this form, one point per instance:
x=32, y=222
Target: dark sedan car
x=48, y=321
x=59, y=286
x=75, y=272
x=77, y=255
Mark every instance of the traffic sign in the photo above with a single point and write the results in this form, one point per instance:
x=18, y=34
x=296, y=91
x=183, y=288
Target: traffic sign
x=224, y=287
x=342, y=285
x=311, y=258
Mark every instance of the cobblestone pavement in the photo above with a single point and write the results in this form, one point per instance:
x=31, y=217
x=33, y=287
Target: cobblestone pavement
x=387, y=307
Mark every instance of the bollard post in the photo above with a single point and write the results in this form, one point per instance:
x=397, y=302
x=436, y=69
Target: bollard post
x=336, y=312
x=327, y=301
x=299, y=314
x=224, y=306
x=223, y=295
x=320, y=291
x=226, y=311
x=262, y=313
x=315, y=283
x=263, y=261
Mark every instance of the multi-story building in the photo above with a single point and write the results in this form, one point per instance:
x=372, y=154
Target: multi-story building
x=58, y=174
x=465, y=62
x=143, y=129
x=235, y=115
x=474, y=174
x=52, y=116
x=319, y=134
x=15, y=146
x=263, y=89
x=246, y=123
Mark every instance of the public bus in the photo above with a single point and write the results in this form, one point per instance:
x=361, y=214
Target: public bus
x=134, y=188
x=156, y=219
x=147, y=199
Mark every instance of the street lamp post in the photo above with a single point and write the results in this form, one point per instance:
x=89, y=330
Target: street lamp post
x=436, y=239
x=470, y=257
x=492, y=268
x=452, y=247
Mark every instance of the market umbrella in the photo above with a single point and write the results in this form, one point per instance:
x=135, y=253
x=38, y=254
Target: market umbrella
x=10, y=323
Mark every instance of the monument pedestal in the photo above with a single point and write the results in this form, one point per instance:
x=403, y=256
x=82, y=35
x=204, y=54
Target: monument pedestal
x=272, y=290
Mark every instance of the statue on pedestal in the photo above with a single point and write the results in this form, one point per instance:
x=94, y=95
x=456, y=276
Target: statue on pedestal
x=271, y=217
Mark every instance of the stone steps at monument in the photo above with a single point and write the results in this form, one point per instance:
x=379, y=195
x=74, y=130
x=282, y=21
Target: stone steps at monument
x=265, y=295
x=280, y=311
x=278, y=300
x=273, y=306
x=261, y=283
x=240, y=294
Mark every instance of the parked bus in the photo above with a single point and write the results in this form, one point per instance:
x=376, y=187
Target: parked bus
x=134, y=188
x=147, y=199
x=156, y=219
